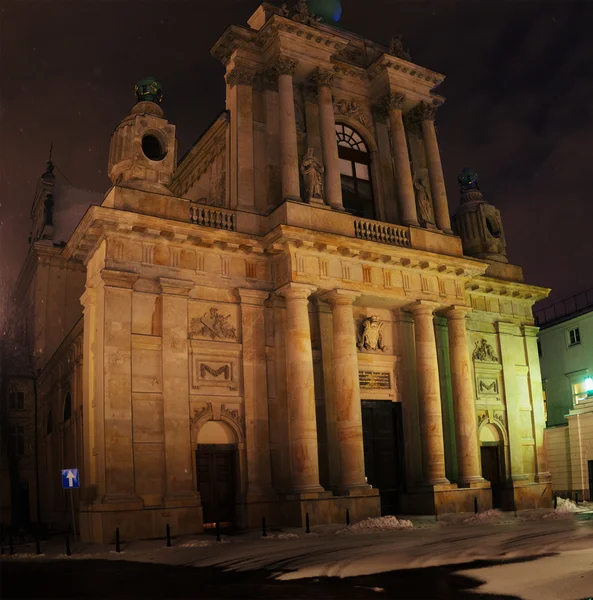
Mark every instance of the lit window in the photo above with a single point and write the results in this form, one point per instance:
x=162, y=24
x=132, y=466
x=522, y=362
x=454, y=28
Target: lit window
x=16, y=400
x=582, y=390
x=355, y=171
x=574, y=337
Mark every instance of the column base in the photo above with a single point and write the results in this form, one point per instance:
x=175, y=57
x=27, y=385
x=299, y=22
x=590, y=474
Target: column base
x=443, y=499
x=473, y=482
x=314, y=489
x=363, y=489
x=292, y=199
x=447, y=231
x=544, y=477
x=436, y=483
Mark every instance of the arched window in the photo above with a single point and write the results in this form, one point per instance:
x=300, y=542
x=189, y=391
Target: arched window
x=67, y=407
x=49, y=427
x=355, y=170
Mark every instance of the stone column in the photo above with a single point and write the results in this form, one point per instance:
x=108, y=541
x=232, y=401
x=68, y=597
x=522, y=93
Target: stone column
x=329, y=145
x=240, y=81
x=255, y=386
x=289, y=158
x=175, y=361
x=537, y=402
x=401, y=156
x=300, y=390
x=435, y=168
x=429, y=394
x=117, y=388
x=464, y=406
x=347, y=392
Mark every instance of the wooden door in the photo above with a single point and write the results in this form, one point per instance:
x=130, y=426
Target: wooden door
x=491, y=471
x=216, y=482
x=383, y=451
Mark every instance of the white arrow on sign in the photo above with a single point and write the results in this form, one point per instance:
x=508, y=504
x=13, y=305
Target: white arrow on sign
x=70, y=477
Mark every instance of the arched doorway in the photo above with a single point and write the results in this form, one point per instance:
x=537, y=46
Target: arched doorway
x=355, y=171
x=216, y=465
x=492, y=454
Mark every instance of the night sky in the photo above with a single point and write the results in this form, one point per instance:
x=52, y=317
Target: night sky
x=519, y=92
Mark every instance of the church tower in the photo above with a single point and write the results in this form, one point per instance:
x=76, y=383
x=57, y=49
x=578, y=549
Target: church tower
x=478, y=223
x=143, y=152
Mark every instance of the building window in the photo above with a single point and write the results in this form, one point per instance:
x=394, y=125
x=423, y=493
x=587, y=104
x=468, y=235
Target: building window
x=16, y=400
x=574, y=337
x=583, y=390
x=67, y=407
x=16, y=440
x=355, y=171
x=49, y=427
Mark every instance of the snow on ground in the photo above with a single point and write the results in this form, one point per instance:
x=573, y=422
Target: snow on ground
x=377, y=524
x=281, y=536
x=566, y=505
x=195, y=544
x=486, y=516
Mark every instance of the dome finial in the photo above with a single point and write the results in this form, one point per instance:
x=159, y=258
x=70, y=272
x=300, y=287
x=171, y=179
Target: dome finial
x=149, y=90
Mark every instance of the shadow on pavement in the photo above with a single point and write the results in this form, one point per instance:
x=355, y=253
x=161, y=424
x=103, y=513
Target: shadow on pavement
x=84, y=578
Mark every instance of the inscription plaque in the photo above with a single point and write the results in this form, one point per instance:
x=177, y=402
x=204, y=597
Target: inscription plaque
x=371, y=380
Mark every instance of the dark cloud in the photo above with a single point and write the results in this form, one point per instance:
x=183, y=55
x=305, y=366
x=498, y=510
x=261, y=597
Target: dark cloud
x=519, y=87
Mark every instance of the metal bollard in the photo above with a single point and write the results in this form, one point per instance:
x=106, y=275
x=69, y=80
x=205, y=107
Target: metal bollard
x=37, y=544
x=168, y=536
x=10, y=544
x=117, y=546
x=307, y=528
x=263, y=527
x=576, y=497
x=347, y=518
x=555, y=501
x=68, y=551
x=476, y=505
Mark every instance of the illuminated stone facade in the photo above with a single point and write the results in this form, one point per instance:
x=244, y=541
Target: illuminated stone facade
x=228, y=323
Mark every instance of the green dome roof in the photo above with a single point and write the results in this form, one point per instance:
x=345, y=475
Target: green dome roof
x=329, y=10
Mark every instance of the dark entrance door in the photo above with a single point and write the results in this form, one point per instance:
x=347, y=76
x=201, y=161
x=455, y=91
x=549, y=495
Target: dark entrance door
x=382, y=429
x=590, y=463
x=491, y=471
x=216, y=482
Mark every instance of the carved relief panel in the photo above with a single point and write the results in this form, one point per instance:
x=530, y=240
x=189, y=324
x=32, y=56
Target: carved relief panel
x=214, y=322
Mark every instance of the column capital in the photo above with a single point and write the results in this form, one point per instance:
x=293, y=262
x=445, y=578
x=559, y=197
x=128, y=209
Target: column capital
x=175, y=287
x=393, y=101
x=283, y=65
x=341, y=297
x=252, y=297
x=240, y=75
x=322, y=78
x=296, y=291
x=456, y=312
x=426, y=111
x=422, y=307
x=529, y=330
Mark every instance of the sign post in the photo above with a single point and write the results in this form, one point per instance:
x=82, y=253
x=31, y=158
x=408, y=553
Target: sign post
x=70, y=482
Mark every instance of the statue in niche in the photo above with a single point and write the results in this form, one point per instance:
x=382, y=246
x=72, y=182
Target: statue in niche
x=372, y=335
x=484, y=352
x=312, y=171
x=425, y=210
x=396, y=48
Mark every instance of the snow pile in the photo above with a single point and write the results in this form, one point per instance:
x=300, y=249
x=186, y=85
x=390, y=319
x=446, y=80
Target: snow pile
x=484, y=517
x=195, y=544
x=281, y=536
x=566, y=505
x=377, y=524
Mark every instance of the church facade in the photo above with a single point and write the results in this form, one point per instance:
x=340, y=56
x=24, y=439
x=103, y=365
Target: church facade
x=286, y=322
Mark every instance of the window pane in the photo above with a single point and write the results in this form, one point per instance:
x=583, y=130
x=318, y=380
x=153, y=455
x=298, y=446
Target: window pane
x=362, y=171
x=356, y=137
x=346, y=167
x=362, y=147
x=364, y=190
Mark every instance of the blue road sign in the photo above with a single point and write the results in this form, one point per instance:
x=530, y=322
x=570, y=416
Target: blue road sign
x=70, y=479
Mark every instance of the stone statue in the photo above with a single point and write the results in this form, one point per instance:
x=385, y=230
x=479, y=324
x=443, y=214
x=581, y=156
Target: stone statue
x=396, y=48
x=302, y=14
x=312, y=171
x=425, y=210
x=372, y=335
x=284, y=10
x=470, y=190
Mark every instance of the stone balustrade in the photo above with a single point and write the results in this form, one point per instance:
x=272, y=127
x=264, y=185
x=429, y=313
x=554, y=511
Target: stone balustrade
x=217, y=218
x=374, y=231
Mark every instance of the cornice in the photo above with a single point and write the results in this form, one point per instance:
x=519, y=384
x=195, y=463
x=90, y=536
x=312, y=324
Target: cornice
x=386, y=62
x=487, y=286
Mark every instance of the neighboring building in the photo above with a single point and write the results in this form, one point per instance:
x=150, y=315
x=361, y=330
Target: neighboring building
x=566, y=355
x=284, y=322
